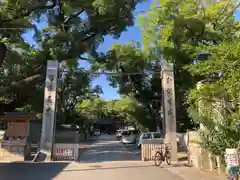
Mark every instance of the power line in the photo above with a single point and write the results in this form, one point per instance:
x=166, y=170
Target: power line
x=105, y=73
x=103, y=20
x=115, y=73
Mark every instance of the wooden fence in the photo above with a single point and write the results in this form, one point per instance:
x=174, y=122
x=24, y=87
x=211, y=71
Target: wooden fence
x=148, y=148
x=65, y=152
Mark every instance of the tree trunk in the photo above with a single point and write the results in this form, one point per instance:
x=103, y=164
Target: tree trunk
x=3, y=51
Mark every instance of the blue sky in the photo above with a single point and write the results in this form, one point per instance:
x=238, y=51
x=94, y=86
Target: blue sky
x=132, y=34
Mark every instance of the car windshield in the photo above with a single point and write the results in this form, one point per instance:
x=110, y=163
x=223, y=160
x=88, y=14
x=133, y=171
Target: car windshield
x=125, y=133
x=157, y=135
x=128, y=133
x=146, y=136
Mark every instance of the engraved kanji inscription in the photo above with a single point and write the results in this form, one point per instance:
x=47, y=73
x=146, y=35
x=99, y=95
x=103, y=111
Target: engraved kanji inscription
x=51, y=78
x=170, y=112
x=50, y=87
x=169, y=101
x=169, y=92
x=169, y=80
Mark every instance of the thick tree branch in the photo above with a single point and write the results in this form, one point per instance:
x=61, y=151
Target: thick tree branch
x=39, y=74
x=83, y=58
x=22, y=82
x=27, y=13
x=92, y=35
x=231, y=14
x=3, y=51
x=24, y=13
x=72, y=16
x=18, y=102
x=223, y=11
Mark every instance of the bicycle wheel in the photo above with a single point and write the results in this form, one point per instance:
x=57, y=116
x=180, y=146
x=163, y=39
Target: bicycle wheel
x=158, y=159
x=168, y=157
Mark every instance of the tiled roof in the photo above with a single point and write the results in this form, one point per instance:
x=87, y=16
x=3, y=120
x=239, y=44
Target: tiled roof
x=19, y=115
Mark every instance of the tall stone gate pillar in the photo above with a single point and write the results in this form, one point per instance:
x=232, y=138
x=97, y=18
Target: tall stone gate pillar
x=169, y=107
x=48, y=122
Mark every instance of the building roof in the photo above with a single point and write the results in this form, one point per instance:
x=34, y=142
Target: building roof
x=18, y=116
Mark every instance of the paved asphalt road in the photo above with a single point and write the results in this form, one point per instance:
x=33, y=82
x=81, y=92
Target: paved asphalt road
x=105, y=159
x=107, y=149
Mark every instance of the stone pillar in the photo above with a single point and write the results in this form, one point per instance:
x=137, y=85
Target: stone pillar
x=48, y=121
x=169, y=107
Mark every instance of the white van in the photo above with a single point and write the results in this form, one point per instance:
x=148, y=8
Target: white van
x=150, y=135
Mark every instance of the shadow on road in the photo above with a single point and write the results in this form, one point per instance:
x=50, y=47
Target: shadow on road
x=30, y=171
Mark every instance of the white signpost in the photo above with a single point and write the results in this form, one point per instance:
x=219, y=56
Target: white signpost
x=169, y=108
x=48, y=122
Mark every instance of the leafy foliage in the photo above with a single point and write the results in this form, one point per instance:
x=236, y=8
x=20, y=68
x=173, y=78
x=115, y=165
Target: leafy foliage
x=126, y=111
x=223, y=125
x=215, y=104
x=144, y=84
x=73, y=28
x=179, y=30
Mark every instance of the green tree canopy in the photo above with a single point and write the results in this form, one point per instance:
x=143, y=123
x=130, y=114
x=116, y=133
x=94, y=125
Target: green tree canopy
x=73, y=28
x=176, y=31
x=126, y=111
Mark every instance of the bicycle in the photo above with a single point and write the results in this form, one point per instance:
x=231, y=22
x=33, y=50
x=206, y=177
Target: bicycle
x=161, y=156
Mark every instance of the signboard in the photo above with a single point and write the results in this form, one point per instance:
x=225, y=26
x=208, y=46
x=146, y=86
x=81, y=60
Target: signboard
x=232, y=157
x=68, y=152
x=49, y=106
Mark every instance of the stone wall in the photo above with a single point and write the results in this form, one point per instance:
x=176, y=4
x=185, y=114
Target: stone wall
x=200, y=157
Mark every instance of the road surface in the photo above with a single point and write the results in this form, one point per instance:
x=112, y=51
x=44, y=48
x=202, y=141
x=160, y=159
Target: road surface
x=105, y=159
x=107, y=149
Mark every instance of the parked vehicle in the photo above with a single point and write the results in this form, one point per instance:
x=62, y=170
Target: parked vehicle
x=149, y=135
x=129, y=137
x=97, y=132
x=119, y=134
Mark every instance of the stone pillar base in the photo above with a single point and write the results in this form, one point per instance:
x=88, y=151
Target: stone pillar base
x=170, y=138
x=46, y=151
